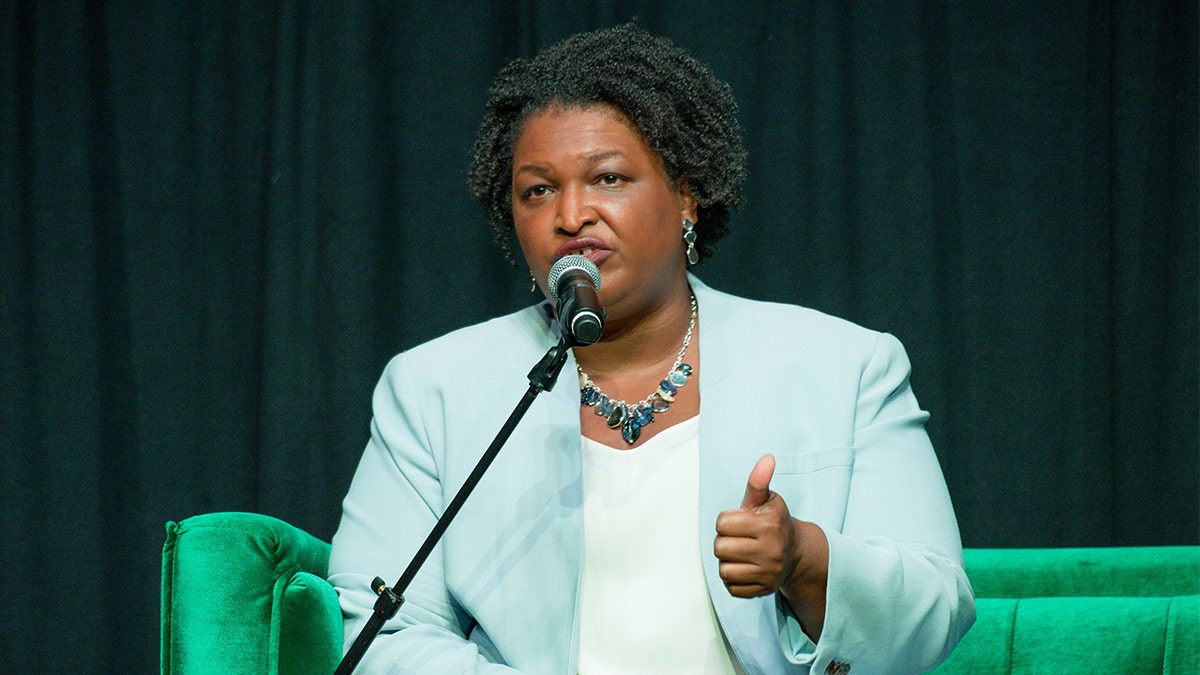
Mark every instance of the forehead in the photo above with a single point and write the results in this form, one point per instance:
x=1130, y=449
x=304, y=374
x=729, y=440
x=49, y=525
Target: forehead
x=558, y=132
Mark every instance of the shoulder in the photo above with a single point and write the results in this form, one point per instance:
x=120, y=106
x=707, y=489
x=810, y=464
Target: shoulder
x=473, y=353
x=779, y=328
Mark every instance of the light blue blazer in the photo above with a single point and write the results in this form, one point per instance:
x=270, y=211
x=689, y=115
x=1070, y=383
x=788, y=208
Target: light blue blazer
x=830, y=399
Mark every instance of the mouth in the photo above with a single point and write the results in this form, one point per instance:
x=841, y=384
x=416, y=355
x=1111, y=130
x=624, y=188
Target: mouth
x=592, y=249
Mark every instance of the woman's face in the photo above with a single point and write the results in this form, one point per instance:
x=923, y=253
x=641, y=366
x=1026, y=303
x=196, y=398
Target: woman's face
x=586, y=182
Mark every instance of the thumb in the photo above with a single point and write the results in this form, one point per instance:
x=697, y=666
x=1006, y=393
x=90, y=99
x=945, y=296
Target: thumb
x=758, y=487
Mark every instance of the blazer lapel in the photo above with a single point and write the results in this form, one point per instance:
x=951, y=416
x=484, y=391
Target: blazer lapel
x=732, y=438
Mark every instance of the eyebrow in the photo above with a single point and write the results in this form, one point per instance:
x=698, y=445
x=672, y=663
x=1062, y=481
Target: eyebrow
x=540, y=170
x=601, y=156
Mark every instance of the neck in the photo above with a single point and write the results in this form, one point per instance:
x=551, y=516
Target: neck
x=644, y=342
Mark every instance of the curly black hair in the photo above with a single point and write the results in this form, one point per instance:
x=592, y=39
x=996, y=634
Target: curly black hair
x=684, y=112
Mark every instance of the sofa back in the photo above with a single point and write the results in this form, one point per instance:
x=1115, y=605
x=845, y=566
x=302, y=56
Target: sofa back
x=1148, y=571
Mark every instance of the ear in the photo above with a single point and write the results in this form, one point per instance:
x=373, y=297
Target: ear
x=687, y=203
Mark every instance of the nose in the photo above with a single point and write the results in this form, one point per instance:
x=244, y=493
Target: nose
x=575, y=210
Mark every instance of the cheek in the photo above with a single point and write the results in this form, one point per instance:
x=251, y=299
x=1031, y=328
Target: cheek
x=660, y=229
x=523, y=244
x=527, y=243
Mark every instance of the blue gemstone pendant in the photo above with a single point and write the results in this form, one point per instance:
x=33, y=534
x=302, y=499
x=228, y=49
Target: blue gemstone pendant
x=631, y=429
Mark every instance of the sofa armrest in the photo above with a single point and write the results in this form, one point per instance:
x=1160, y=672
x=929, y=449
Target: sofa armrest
x=245, y=593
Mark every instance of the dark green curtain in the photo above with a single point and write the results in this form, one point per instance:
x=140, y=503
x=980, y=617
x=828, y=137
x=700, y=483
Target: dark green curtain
x=219, y=219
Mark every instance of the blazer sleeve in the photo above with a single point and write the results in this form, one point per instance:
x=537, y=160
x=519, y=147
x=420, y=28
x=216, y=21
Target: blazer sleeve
x=898, y=600
x=393, y=502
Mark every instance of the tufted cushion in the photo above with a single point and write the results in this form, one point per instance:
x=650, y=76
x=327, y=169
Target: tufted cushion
x=1113, y=610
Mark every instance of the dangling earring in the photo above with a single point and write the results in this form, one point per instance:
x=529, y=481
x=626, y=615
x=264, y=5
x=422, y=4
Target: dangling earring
x=532, y=282
x=689, y=235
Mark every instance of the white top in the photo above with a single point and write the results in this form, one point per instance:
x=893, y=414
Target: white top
x=644, y=606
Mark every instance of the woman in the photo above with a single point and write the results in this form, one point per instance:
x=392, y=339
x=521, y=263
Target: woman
x=779, y=507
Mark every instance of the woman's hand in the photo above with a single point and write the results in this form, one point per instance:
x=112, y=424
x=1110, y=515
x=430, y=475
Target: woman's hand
x=763, y=550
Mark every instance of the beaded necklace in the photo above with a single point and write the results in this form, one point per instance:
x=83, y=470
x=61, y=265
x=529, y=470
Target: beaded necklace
x=631, y=417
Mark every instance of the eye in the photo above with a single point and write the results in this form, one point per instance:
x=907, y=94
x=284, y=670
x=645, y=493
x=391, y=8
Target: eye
x=609, y=179
x=535, y=192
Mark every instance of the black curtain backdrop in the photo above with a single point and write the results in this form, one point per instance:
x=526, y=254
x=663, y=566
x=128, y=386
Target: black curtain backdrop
x=218, y=220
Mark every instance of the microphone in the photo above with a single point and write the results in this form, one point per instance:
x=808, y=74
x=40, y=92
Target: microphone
x=573, y=283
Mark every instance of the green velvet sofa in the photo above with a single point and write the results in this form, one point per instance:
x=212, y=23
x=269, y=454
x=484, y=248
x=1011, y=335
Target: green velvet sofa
x=246, y=593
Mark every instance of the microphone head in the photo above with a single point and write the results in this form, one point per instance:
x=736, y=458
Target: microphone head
x=566, y=264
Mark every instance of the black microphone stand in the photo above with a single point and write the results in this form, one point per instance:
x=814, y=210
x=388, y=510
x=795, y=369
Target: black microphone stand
x=541, y=378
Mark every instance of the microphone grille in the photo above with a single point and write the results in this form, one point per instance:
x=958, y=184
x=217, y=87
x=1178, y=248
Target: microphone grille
x=568, y=263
